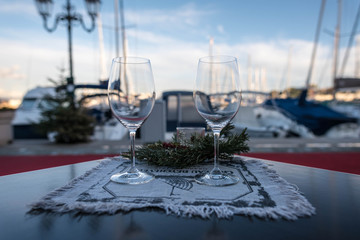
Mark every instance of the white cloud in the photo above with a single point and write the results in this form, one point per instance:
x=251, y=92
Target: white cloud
x=183, y=22
x=187, y=14
x=174, y=59
x=18, y=7
x=10, y=94
x=150, y=37
x=11, y=72
x=220, y=29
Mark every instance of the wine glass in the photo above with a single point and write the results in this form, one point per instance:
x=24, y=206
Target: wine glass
x=217, y=99
x=131, y=93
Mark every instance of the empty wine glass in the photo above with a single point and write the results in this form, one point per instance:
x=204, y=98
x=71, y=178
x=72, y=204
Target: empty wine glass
x=131, y=93
x=217, y=99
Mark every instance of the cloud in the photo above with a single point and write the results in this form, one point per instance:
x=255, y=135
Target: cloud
x=150, y=37
x=18, y=7
x=174, y=61
x=273, y=56
x=220, y=29
x=184, y=21
x=187, y=14
x=174, y=40
x=11, y=73
x=157, y=34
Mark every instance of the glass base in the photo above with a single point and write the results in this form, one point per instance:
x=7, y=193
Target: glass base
x=132, y=177
x=217, y=180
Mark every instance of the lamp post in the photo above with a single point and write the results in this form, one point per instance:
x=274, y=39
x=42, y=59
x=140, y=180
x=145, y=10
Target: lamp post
x=69, y=16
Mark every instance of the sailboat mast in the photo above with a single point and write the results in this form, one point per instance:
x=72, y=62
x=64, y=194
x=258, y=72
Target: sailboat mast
x=249, y=73
x=263, y=80
x=103, y=73
x=357, y=57
x=303, y=95
x=211, y=46
x=312, y=63
x=336, y=45
x=351, y=39
x=288, y=70
x=116, y=18
x=123, y=35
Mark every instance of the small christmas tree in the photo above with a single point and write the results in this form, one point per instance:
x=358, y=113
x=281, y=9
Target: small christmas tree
x=68, y=120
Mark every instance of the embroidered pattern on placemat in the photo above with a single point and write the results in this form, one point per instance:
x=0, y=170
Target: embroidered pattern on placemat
x=261, y=192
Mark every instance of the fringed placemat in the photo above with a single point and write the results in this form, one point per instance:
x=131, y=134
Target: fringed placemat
x=261, y=192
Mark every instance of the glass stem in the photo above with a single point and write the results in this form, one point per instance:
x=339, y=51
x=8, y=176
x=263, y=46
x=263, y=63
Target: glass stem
x=132, y=146
x=216, y=170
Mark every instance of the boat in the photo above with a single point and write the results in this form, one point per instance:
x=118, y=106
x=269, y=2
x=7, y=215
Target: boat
x=255, y=119
x=34, y=102
x=316, y=117
x=29, y=113
x=180, y=111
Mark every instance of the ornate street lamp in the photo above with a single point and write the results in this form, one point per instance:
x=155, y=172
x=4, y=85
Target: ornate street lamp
x=44, y=8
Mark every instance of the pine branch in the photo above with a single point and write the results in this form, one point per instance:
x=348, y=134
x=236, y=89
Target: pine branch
x=194, y=151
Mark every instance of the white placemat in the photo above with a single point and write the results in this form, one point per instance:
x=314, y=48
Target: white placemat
x=261, y=192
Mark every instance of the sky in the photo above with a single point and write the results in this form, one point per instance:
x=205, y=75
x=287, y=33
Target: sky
x=273, y=41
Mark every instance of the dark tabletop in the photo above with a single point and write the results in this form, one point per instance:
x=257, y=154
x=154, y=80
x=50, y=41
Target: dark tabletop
x=335, y=195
